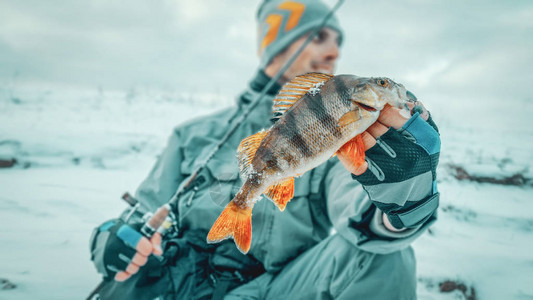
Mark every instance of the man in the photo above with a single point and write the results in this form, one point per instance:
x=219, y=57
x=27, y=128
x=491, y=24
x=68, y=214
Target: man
x=342, y=236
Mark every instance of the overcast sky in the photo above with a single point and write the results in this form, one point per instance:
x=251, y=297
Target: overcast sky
x=474, y=49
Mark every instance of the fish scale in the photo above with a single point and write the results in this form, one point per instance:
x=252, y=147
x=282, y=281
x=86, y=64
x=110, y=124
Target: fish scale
x=317, y=116
x=315, y=121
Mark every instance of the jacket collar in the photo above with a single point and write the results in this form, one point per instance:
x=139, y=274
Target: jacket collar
x=261, y=80
x=256, y=85
x=262, y=112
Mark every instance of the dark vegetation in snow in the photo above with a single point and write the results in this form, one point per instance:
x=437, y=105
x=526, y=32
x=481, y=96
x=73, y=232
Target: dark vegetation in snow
x=6, y=284
x=451, y=285
x=517, y=179
x=7, y=163
x=459, y=214
x=456, y=288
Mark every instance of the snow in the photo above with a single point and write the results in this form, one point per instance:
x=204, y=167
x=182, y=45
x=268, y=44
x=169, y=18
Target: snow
x=77, y=154
x=315, y=89
x=79, y=151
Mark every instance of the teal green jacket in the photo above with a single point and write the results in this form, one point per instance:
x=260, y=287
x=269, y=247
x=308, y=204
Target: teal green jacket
x=326, y=199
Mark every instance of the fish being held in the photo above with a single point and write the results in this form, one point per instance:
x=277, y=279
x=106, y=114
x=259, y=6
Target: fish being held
x=317, y=114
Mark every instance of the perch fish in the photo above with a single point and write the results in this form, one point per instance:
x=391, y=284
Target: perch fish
x=316, y=115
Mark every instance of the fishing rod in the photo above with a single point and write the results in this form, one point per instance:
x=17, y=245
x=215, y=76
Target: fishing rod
x=173, y=200
x=151, y=226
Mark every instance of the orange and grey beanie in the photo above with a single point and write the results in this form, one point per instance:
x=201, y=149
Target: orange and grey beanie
x=281, y=22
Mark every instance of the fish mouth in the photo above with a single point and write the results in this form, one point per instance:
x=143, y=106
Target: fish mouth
x=365, y=107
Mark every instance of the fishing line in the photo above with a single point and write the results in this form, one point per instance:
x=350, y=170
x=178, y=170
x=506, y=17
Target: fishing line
x=174, y=199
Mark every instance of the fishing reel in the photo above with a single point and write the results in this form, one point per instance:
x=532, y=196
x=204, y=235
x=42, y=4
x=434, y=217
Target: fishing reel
x=162, y=221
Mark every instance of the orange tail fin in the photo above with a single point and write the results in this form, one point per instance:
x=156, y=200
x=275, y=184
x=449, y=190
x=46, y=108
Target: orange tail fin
x=235, y=222
x=355, y=150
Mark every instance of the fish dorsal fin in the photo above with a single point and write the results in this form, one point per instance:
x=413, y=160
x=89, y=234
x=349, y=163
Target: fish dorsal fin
x=295, y=89
x=246, y=152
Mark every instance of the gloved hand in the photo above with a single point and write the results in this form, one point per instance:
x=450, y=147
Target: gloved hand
x=119, y=250
x=400, y=170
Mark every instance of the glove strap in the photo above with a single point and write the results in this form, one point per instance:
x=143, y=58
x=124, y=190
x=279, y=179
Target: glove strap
x=415, y=215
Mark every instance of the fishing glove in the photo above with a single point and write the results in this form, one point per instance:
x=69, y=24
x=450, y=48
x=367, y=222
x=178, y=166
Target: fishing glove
x=118, y=250
x=401, y=175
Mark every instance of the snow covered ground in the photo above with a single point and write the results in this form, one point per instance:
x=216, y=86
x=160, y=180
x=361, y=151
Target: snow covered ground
x=78, y=151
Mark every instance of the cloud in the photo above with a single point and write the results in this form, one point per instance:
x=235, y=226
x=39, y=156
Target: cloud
x=465, y=49
x=468, y=49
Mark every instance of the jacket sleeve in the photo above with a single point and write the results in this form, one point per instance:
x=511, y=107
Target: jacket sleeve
x=358, y=220
x=164, y=178
x=153, y=192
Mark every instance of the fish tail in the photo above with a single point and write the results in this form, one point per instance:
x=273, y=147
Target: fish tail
x=234, y=221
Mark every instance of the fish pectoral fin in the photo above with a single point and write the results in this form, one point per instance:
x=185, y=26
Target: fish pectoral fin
x=349, y=118
x=281, y=193
x=235, y=222
x=247, y=149
x=354, y=150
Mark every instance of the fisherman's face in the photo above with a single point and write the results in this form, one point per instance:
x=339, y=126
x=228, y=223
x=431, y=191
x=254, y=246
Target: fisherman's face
x=320, y=55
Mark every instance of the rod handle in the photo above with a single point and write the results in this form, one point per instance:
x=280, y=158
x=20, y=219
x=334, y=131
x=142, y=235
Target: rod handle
x=151, y=226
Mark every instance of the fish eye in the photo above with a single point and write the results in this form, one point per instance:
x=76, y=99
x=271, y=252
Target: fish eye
x=382, y=82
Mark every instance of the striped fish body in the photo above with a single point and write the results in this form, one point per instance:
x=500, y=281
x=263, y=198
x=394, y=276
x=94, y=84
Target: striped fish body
x=317, y=115
x=308, y=133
